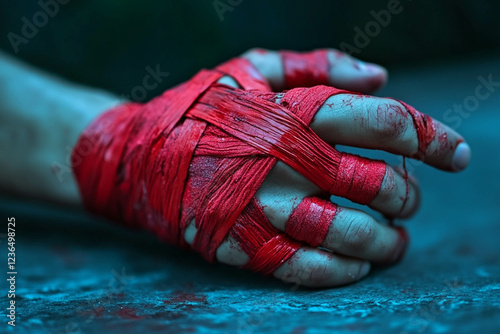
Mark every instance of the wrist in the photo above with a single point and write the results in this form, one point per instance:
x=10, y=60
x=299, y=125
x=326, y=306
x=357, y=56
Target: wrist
x=80, y=106
x=42, y=118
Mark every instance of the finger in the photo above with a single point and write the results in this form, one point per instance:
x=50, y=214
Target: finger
x=308, y=266
x=398, y=196
x=395, y=195
x=229, y=252
x=254, y=244
x=294, y=263
x=287, y=69
x=341, y=174
x=304, y=265
x=315, y=268
x=319, y=222
x=390, y=125
x=346, y=231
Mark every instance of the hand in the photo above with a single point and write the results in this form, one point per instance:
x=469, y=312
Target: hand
x=278, y=228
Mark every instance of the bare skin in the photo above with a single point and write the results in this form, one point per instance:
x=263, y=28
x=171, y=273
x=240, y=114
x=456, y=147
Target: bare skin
x=42, y=116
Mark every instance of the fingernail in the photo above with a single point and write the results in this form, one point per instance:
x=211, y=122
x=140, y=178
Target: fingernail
x=461, y=157
x=364, y=270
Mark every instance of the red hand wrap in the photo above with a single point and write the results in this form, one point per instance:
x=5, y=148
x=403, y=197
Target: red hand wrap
x=310, y=220
x=258, y=239
x=425, y=127
x=201, y=151
x=305, y=69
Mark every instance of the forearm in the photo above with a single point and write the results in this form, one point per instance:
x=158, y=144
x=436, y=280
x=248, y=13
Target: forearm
x=41, y=118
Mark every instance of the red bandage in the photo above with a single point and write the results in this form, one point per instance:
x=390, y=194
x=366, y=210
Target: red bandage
x=424, y=125
x=266, y=248
x=200, y=151
x=310, y=220
x=305, y=69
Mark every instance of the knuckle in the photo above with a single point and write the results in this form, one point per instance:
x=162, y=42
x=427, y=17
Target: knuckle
x=254, y=52
x=390, y=120
x=338, y=55
x=361, y=232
